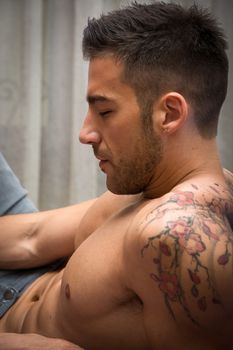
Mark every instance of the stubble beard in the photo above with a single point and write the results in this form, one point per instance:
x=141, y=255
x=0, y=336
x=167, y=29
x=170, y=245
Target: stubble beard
x=133, y=174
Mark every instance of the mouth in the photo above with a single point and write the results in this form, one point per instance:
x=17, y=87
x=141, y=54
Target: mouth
x=102, y=161
x=102, y=164
x=100, y=158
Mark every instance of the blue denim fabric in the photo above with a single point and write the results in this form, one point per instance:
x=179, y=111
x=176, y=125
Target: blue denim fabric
x=13, y=197
x=13, y=283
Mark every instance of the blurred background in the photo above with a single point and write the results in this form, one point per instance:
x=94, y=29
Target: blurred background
x=43, y=82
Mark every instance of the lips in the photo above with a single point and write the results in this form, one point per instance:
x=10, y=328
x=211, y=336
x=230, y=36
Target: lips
x=102, y=164
x=100, y=156
x=103, y=159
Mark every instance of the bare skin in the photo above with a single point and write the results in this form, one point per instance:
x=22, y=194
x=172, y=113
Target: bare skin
x=96, y=291
x=14, y=341
x=151, y=271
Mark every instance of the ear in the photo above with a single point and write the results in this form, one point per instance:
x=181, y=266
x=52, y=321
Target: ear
x=172, y=112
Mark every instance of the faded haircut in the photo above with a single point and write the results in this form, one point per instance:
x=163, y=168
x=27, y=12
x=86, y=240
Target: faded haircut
x=166, y=47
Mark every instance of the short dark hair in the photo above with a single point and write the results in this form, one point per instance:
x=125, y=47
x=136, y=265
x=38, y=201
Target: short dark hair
x=166, y=47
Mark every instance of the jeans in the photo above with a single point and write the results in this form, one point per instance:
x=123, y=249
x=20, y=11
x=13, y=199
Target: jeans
x=13, y=197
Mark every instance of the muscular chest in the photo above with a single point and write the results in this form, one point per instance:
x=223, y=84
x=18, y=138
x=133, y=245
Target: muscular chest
x=94, y=280
x=95, y=297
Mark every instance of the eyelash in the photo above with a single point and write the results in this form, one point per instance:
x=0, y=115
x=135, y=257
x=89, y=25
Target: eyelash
x=104, y=114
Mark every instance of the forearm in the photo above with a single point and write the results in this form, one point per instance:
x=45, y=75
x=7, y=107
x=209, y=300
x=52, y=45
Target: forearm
x=16, y=237
x=30, y=240
x=13, y=341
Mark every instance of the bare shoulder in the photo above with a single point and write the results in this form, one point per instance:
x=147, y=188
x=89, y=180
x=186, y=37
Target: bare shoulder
x=183, y=253
x=100, y=211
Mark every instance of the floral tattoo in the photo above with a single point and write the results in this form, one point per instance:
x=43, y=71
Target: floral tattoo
x=196, y=223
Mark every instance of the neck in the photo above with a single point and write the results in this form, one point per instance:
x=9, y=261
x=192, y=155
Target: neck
x=180, y=165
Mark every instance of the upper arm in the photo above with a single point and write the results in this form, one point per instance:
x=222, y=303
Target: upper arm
x=184, y=277
x=29, y=240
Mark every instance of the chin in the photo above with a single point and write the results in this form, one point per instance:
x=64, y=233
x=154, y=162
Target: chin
x=123, y=189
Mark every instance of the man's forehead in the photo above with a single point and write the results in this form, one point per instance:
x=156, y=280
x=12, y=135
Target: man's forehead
x=106, y=68
x=104, y=80
x=106, y=83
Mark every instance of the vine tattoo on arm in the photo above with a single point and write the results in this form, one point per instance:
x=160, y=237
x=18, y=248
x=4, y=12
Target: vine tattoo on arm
x=197, y=222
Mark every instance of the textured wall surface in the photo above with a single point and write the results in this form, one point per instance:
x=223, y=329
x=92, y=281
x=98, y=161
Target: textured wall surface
x=42, y=96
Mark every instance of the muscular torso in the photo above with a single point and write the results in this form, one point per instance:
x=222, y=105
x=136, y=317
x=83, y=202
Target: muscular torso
x=96, y=301
x=88, y=300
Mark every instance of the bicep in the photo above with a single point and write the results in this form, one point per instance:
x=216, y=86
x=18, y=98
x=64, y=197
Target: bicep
x=29, y=240
x=56, y=234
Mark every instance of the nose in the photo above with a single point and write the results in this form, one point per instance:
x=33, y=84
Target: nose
x=89, y=133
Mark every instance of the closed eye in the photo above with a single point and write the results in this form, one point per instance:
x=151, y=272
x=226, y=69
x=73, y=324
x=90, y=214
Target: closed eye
x=105, y=113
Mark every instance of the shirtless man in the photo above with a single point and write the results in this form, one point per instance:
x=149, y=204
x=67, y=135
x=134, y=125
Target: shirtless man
x=150, y=262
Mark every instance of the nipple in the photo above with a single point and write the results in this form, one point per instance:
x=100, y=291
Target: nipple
x=35, y=298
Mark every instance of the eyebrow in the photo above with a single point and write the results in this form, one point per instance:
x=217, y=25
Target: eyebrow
x=91, y=99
